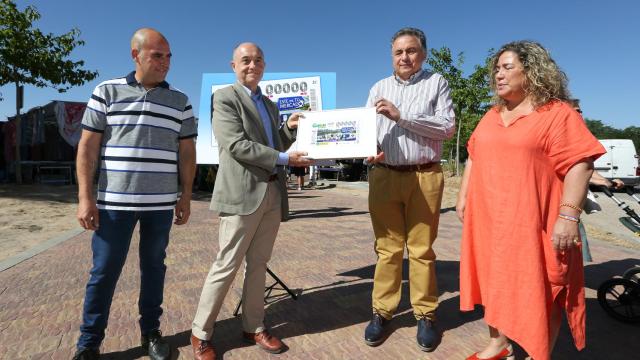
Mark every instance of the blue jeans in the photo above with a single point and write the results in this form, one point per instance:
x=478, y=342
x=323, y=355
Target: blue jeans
x=110, y=245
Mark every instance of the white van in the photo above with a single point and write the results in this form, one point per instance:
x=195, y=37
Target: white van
x=620, y=161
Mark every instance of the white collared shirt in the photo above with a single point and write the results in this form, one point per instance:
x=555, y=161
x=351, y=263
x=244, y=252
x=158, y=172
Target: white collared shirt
x=426, y=117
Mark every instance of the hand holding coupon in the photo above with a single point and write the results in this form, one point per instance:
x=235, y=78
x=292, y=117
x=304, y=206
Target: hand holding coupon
x=294, y=119
x=376, y=159
x=387, y=108
x=297, y=158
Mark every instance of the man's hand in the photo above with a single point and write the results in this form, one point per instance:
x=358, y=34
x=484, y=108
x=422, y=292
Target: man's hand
x=183, y=209
x=376, y=159
x=86, y=163
x=617, y=184
x=297, y=158
x=386, y=108
x=602, y=181
x=294, y=119
x=88, y=215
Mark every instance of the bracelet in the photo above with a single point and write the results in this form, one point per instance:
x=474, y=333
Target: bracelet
x=569, y=217
x=571, y=206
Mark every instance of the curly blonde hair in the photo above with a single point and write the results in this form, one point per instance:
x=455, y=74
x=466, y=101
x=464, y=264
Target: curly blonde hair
x=544, y=79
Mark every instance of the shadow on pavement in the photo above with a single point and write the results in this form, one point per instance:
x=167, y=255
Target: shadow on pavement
x=323, y=213
x=302, y=196
x=446, y=210
x=596, y=274
x=347, y=302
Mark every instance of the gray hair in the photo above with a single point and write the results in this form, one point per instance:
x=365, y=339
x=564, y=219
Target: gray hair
x=411, y=31
x=246, y=43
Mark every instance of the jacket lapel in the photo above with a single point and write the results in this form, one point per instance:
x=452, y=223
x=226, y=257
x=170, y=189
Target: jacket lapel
x=252, y=111
x=275, y=122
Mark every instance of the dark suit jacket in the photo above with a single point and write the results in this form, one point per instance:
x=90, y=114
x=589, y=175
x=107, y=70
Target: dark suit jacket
x=246, y=159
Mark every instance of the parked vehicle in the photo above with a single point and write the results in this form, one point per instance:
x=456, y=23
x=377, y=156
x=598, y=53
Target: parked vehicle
x=620, y=161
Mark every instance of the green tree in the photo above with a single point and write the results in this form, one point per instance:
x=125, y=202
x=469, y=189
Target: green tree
x=29, y=56
x=602, y=131
x=471, y=96
x=633, y=133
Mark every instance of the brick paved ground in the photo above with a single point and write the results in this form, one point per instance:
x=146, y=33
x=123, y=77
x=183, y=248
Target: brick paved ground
x=325, y=252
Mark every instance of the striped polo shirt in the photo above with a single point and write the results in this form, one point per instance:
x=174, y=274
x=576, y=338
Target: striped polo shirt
x=141, y=130
x=426, y=117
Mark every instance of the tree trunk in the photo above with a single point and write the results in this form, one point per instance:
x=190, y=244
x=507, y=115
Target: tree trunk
x=458, y=148
x=18, y=137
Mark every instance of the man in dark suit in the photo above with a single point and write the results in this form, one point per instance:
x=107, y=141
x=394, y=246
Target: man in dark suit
x=250, y=195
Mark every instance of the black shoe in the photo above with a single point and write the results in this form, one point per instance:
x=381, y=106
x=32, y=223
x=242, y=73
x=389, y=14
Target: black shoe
x=428, y=337
x=374, y=333
x=87, y=354
x=155, y=346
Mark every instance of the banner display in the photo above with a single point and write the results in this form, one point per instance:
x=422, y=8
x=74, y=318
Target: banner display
x=69, y=117
x=291, y=92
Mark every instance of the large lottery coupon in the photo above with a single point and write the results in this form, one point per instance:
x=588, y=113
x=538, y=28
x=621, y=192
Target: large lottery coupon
x=338, y=134
x=291, y=95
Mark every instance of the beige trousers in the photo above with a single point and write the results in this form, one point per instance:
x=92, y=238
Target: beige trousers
x=249, y=237
x=405, y=211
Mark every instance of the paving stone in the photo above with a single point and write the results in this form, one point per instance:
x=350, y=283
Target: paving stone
x=324, y=253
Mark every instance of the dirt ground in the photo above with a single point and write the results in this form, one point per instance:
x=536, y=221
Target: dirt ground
x=32, y=214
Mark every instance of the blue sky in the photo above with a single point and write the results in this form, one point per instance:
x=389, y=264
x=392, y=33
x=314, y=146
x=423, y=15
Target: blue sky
x=595, y=42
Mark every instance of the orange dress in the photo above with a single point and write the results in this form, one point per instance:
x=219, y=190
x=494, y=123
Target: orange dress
x=507, y=261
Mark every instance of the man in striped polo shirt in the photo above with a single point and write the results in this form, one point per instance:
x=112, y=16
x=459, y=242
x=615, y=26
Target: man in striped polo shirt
x=138, y=131
x=415, y=115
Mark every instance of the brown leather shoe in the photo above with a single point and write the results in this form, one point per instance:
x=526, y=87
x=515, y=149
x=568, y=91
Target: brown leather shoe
x=264, y=340
x=202, y=349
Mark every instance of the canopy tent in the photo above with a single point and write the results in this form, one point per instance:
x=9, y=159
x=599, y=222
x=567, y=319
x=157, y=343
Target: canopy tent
x=48, y=134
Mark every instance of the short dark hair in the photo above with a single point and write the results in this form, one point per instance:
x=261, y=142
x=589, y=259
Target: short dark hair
x=574, y=103
x=411, y=32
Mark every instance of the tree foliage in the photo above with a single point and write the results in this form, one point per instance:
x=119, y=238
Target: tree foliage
x=29, y=56
x=471, y=96
x=602, y=131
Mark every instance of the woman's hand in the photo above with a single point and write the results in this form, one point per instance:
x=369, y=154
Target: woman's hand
x=565, y=235
x=460, y=205
x=565, y=232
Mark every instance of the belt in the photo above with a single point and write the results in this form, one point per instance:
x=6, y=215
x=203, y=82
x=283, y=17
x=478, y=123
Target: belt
x=273, y=177
x=408, y=168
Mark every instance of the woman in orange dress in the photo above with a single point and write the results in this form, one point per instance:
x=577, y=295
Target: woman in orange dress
x=530, y=159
